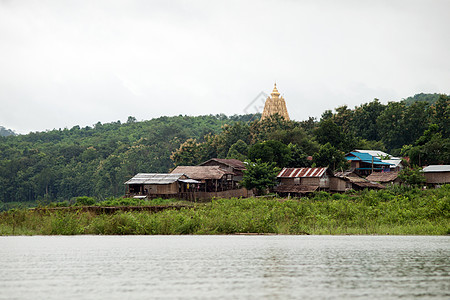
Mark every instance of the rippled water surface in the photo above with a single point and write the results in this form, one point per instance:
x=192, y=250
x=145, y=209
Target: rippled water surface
x=231, y=267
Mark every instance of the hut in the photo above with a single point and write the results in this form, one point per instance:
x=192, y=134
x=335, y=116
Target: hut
x=300, y=181
x=213, y=182
x=234, y=166
x=156, y=185
x=211, y=178
x=437, y=174
x=384, y=178
x=349, y=180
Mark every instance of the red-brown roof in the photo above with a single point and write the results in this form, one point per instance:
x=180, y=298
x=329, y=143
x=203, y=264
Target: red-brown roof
x=301, y=172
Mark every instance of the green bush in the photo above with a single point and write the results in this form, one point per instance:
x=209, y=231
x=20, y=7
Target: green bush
x=84, y=201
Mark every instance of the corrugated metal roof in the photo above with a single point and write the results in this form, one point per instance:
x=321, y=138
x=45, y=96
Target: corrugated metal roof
x=154, y=178
x=437, y=168
x=302, y=172
x=365, y=157
x=375, y=153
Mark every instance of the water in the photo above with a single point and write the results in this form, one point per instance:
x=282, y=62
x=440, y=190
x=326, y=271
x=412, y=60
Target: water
x=230, y=267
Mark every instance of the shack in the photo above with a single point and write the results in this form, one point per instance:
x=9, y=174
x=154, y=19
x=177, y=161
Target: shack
x=347, y=180
x=213, y=182
x=437, y=174
x=160, y=185
x=300, y=181
x=235, y=166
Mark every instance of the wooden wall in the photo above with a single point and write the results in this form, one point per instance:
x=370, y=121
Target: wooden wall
x=437, y=177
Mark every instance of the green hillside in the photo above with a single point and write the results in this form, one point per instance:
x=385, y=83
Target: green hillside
x=6, y=132
x=95, y=161
x=428, y=98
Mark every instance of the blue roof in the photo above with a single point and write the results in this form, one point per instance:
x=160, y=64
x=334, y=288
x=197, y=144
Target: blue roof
x=365, y=157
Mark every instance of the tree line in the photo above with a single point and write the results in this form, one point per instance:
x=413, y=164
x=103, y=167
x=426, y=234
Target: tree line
x=95, y=161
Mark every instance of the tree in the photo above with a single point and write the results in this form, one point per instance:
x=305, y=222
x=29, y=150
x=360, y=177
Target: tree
x=260, y=175
x=329, y=132
x=329, y=156
x=365, y=120
x=299, y=158
x=238, y=150
x=412, y=176
x=270, y=151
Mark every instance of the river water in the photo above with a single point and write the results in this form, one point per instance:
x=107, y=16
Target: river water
x=224, y=267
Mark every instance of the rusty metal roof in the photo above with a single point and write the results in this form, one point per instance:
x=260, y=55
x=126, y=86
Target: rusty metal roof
x=301, y=172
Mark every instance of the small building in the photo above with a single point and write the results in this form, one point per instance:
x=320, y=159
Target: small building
x=437, y=174
x=365, y=164
x=396, y=162
x=213, y=182
x=235, y=166
x=384, y=178
x=211, y=178
x=348, y=180
x=300, y=181
x=156, y=185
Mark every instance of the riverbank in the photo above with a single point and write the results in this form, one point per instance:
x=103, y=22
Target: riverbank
x=391, y=211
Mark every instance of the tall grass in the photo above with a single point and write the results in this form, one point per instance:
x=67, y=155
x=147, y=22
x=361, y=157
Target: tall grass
x=411, y=211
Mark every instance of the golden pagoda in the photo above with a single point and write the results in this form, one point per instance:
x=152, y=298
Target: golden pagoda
x=275, y=105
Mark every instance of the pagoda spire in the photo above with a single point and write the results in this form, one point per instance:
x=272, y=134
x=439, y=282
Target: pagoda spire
x=275, y=105
x=275, y=92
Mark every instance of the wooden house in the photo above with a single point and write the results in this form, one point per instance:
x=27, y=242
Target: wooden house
x=211, y=178
x=300, y=181
x=384, y=178
x=364, y=164
x=437, y=174
x=235, y=166
x=155, y=185
x=395, y=162
x=213, y=182
x=348, y=180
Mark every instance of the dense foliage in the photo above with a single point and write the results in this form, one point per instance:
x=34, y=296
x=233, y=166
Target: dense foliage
x=398, y=210
x=95, y=161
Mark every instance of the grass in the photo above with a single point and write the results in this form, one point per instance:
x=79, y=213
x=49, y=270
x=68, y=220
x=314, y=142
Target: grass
x=392, y=211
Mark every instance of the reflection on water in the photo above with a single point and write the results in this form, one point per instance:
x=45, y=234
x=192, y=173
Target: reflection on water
x=217, y=267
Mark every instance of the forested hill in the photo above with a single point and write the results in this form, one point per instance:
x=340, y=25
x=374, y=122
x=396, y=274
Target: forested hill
x=61, y=164
x=428, y=98
x=6, y=132
x=96, y=161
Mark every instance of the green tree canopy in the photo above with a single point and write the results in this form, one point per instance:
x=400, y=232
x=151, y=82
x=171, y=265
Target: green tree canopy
x=260, y=175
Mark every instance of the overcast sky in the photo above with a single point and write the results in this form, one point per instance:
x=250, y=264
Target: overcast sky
x=66, y=63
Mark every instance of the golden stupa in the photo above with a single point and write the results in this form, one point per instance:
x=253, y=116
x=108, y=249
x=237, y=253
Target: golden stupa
x=275, y=105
